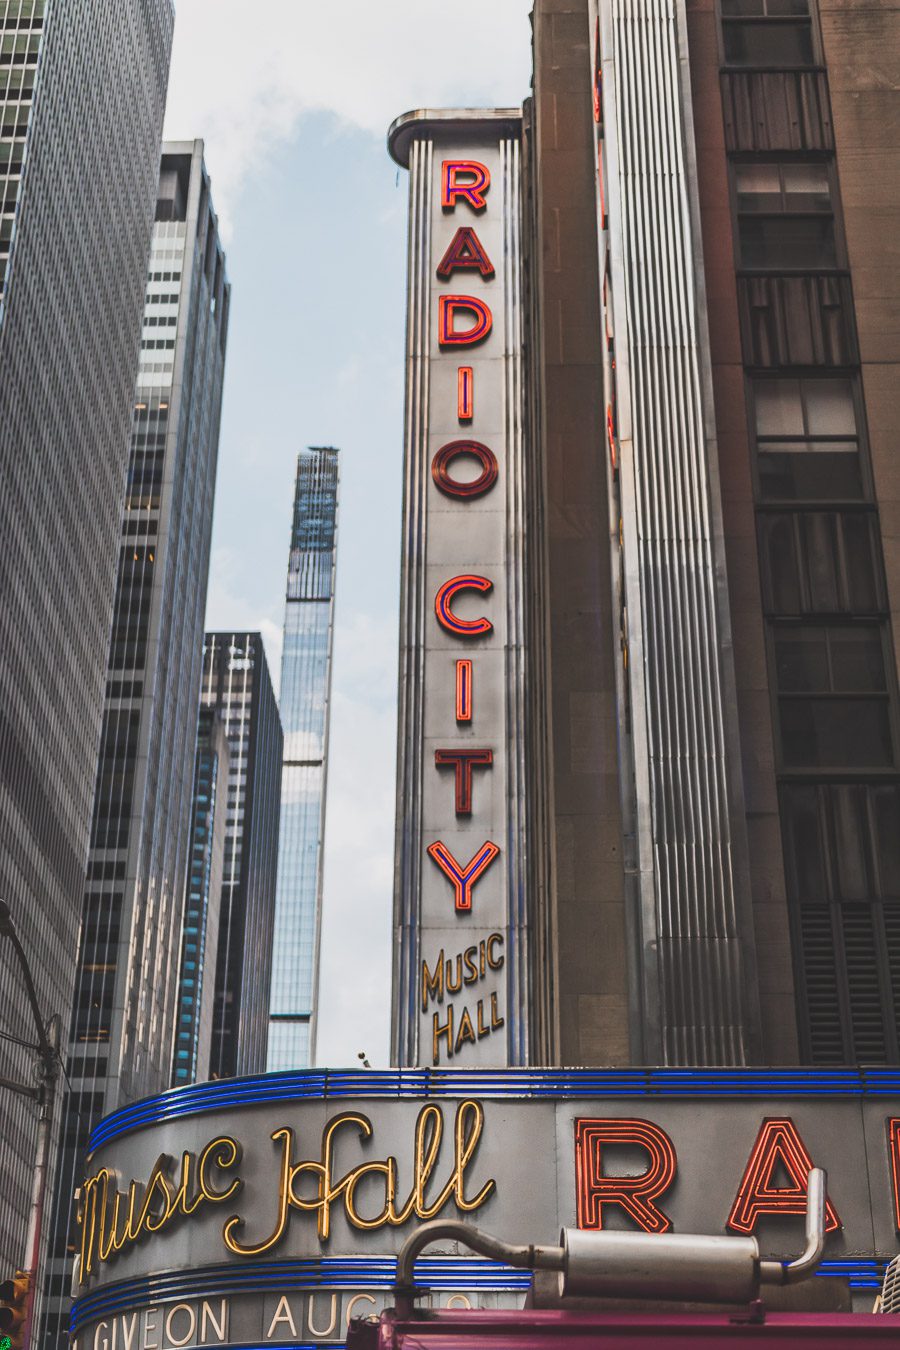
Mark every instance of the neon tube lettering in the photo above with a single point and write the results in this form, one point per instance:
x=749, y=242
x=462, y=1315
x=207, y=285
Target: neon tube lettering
x=450, y=621
x=778, y=1143
x=455, y=487
x=464, y=761
x=464, y=691
x=449, y=306
x=473, y=191
x=463, y=877
x=465, y=251
x=465, y=393
x=635, y=1195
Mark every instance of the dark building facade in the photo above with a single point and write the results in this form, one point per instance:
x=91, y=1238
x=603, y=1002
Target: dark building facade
x=202, y=901
x=790, y=339
x=82, y=93
x=237, y=684
x=797, y=174
x=709, y=861
x=127, y=992
x=305, y=713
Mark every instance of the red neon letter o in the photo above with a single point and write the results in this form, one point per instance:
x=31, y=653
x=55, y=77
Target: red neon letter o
x=452, y=487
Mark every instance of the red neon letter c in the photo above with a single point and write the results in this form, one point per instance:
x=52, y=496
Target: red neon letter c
x=444, y=614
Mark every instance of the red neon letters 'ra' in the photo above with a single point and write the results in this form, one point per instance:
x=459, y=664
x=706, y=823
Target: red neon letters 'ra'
x=633, y=1194
x=778, y=1144
x=476, y=180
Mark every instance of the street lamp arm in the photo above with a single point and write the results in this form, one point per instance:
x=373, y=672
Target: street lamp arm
x=21, y=1088
x=8, y=929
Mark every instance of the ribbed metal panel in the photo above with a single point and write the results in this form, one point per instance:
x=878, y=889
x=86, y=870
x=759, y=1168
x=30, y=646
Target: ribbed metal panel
x=408, y=862
x=519, y=997
x=695, y=1008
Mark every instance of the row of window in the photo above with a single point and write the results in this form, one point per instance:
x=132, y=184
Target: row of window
x=19, y=49
x=765, y=33
x=830, y=650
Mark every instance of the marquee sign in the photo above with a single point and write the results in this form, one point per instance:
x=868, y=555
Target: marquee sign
x=271, y=1209
x=459, y=922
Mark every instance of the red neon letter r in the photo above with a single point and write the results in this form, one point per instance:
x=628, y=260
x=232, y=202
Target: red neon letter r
x=634, y=1194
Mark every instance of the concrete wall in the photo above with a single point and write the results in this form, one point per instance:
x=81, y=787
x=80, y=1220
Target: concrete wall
x=588, y=874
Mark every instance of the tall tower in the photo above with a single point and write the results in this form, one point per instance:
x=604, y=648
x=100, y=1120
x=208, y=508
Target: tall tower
x=464, y=789
x=126, y=998
x=82, y=95
x=305, y=709
x=238, y=686
x=202, y=902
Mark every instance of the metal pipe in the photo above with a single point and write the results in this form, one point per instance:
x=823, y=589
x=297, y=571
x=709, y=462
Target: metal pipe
x=7, y=929
x=44, y=1094
x=22, y=1088
x=776, y=1272
x=606, y=1264
x=531, y=1257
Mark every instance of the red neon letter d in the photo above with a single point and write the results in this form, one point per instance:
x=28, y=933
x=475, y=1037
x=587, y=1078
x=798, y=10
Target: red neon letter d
x=448, y=307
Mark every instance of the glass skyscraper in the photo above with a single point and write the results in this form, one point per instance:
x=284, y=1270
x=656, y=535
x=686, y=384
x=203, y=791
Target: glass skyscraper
x=202, y=902
x=126, y=996
x=305, y=705
x=82, y=93
x=237, y=685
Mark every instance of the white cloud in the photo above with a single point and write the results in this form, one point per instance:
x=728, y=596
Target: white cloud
x=242, y=77
x=228, y=610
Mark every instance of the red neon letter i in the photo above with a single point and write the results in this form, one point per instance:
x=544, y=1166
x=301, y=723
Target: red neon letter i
x=465, y=401
x=464, y=691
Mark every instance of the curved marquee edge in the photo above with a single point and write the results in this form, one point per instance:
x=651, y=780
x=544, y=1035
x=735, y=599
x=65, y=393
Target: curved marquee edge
x=492, y=1083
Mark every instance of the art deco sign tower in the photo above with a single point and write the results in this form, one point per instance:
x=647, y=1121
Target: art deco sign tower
x=460, y=959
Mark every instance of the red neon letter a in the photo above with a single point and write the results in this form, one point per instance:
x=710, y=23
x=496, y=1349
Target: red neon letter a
x=634, y=1194
x=894, y=1150
x=466, y=251
x=777, y=1143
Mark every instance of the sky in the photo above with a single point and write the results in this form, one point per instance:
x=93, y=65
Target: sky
x=293, y=100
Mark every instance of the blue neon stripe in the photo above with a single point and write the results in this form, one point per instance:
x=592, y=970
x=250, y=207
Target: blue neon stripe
x=435, y=1273
x=498, y=1083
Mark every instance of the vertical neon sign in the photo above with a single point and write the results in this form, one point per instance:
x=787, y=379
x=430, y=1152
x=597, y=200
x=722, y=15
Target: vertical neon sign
x=460, y=813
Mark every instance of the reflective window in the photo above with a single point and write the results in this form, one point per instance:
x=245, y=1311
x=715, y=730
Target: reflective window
x=818, y=562
x=767, y=33
x=833, y=703
x=807, y=444
x=785, y=216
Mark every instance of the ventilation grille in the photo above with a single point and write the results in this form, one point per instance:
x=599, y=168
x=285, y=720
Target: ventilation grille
x=890, y=1290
